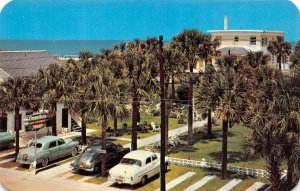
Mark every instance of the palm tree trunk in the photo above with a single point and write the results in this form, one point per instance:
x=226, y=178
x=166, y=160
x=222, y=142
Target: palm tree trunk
x=17, y=127
x=103, y=155
x=83, y=129
x=224, y=149
x=279, y=62
x=115, y=125
x=190, y=107
x=209, y=124
x=167, y=118
x=173, y=87
x=53, y=122
x=290, y=172
x=134, y=120
x=274, y=173
x=138, y=120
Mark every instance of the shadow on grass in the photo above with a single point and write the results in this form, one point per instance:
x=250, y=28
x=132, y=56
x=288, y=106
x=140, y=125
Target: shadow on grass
x=232, y=156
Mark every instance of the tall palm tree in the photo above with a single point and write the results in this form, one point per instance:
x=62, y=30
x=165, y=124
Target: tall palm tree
x=140, y=74
x=18, y=92
x=104, y=101
x=52, y=84
x=206, y=98
x=264, y=120
x=280, y=48
x=232, y=93
x=195, y=46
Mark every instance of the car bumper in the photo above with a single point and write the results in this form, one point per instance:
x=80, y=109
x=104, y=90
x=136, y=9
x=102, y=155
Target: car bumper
x=92, y=169
x=24, y=162
x=122, y=180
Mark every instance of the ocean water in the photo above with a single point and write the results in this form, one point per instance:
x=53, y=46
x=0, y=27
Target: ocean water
x=60, y=48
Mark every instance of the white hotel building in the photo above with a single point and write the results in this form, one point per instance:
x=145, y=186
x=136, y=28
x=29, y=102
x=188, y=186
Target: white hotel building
x=239, y=42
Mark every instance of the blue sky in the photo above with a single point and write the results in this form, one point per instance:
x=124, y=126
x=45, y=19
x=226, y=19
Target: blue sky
x=129, y=19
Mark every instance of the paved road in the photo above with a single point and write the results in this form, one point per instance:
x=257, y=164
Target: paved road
x=154, y=138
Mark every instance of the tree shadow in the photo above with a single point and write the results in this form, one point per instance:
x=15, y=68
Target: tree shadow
x=183, y=148
x=232, y=156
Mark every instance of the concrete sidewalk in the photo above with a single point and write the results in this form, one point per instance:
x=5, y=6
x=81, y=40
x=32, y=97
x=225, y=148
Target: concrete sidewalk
x=27, y=182
x=154, y=138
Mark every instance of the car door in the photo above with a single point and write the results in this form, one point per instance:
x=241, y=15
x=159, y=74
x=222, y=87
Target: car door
x=111, y=155
x=155, y=163
x=63, y=149
x=53, y=150
x=148, y=168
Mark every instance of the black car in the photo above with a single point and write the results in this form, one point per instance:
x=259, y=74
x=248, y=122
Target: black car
x=90, y=159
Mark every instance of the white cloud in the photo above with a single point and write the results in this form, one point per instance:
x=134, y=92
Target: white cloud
x=3, y=3
x=297, y=3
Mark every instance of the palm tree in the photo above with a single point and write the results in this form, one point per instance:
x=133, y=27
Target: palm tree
x=295, y=58
x=103, y=91
x=51, y=82
x=263, y=117
x=255, y=59
x=140, y=74
x=18, y=92
x=231, y=89
x=206, y=98
x=195, y=46
x=280, y=48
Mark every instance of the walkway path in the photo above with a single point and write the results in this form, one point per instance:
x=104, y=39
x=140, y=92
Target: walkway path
x=178, y=180
x=154, y=138
x=230, y=185
x=200, y=183
x=256, y=186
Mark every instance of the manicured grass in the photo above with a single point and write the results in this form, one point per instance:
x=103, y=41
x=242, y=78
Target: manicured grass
x=214, y=184
x=97, y=180
x=211, y=149
x=76, y=177
x=144, y=118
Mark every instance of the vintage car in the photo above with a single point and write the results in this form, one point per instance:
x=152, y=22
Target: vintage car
x=49, y=148
x=136, y=167
x=90, y=159
x=7, y=140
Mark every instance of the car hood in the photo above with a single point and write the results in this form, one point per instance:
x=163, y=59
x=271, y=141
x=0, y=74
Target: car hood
x=68, y=140
x=124, y=170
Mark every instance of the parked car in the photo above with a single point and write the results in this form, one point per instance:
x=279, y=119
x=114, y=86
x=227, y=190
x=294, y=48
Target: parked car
x=136, y=167
x=7, y=140
x=90, y=159
x=49, y=148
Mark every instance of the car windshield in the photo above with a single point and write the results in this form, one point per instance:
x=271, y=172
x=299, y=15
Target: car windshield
x=130, y=161
x=38, y=145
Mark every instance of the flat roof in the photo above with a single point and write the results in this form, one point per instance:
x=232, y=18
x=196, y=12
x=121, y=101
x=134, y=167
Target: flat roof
x=244, y=31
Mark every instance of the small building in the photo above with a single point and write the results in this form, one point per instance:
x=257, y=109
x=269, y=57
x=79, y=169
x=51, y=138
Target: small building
x=240, y=42
x=25, y=63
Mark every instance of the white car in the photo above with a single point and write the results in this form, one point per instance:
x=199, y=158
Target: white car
x=136, y=167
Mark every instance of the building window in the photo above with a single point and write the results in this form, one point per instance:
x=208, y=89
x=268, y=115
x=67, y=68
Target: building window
x=264, y=41
x=252, y=40
x=236, y=39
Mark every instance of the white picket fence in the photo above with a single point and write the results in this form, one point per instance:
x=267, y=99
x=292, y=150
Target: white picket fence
x=217, y=166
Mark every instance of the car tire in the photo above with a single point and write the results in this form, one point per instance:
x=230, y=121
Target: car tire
x=45, y=162
x=74, y=152
x=143, y=180
x=10, y=145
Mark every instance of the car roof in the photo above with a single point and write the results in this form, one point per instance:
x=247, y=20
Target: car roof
x=139, y=154
x=48, y=138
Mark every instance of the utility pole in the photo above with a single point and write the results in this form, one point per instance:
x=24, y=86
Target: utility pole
x=162, y=118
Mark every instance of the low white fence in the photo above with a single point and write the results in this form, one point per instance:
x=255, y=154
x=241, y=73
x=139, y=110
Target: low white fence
x=217, y=166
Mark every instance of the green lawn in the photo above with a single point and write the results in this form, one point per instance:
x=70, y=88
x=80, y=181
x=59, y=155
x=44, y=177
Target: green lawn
x=210, y=149
x=144, y=118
